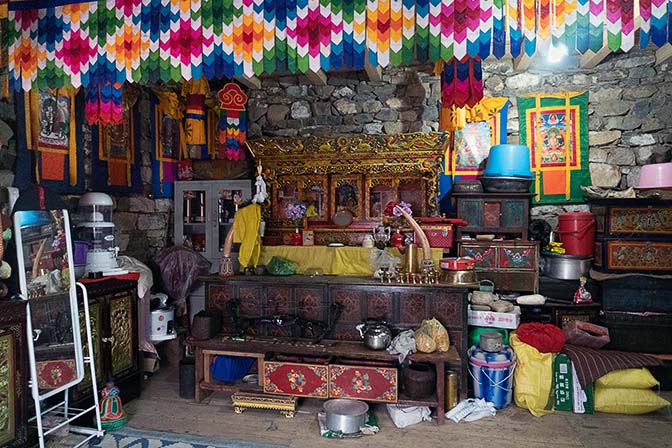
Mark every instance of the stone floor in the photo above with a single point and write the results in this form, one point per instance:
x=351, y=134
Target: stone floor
x=160, y=408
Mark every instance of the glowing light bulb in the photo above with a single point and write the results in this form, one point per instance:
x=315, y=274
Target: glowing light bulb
x=556, y=53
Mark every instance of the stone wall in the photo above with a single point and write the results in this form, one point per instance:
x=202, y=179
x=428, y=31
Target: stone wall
x=629, y=120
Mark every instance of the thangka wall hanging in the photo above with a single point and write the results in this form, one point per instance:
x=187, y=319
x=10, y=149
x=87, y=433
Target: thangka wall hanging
x=474, y=130
x=115, y=151
x=555, y=128
x=168, y=141
x=49, y=143
x=54, y=44
x=233, y=122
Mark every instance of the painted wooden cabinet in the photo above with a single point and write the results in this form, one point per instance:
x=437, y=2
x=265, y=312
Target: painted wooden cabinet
x=511, y=265
x=633, y=235
x=499, y=213
x=13, y=374
x=114, y=326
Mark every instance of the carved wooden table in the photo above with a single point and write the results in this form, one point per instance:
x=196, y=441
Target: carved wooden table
x=402, y=306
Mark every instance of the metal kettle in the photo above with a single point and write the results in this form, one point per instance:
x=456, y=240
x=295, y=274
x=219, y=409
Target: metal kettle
x=375, y=333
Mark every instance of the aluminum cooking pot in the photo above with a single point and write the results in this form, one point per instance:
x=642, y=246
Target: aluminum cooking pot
x=346, y=416
x=564, y=267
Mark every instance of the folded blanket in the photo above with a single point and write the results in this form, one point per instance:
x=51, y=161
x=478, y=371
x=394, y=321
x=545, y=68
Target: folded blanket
x=591, y=364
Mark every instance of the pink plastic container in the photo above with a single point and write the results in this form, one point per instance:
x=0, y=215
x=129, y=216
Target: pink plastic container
x=656, y=175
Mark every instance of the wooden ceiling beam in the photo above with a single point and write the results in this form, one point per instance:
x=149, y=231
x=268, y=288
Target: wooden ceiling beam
x=318, y=78
x=663, y=54
x=591, y=59
x=250, y=82
x=522, y=62
x=375, y=73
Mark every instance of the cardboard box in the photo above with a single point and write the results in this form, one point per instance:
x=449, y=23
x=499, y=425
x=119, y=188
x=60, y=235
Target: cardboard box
x=563, y=380
x=496, y=320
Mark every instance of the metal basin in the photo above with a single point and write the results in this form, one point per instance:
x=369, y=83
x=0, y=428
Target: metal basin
x=346, y=416
x=506, y=184
x=564, y=267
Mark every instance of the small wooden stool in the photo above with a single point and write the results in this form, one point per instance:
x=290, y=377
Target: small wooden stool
x=249, y=400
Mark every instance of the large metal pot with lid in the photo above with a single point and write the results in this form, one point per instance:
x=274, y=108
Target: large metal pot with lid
x=345, y=416
x=375, y=333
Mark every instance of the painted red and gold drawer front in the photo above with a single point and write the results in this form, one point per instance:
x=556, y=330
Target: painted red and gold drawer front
x=511, y=265
x=640, y=220
x=363, y=383
x=303, y=380
x=518, y=257
x=639, y=256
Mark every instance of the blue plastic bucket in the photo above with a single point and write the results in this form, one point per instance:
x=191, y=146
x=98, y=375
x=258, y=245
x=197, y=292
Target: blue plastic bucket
x=508, y=161
x=493, y=379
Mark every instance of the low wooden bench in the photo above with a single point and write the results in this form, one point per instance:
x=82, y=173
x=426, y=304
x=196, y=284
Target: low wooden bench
x=261, y=348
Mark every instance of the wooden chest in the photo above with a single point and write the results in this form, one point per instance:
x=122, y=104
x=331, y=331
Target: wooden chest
x=633, y=235
x=511, y=265
x=498, y=213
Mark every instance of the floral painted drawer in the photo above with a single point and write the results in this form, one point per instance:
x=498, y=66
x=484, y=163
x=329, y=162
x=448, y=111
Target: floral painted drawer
x=303, y=380
x=485, y=257
x=518, y=257
x=640, y=220
x=363, y=383
x=55, y=373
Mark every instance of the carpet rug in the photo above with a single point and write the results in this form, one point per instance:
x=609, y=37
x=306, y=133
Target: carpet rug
x=137, y=438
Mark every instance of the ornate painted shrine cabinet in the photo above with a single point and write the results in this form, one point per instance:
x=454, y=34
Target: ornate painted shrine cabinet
x=14, y=393
x=113, y=309
x=346, y=182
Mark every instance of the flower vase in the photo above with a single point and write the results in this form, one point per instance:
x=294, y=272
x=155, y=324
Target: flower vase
x=297, y=239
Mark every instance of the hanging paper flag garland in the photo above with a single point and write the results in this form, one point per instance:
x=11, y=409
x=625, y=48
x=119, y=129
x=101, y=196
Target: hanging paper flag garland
x=569, y=38
x=371, y=30
x=627, y=24
x=325, y=35
x=422, y=30
x=435, y=7
x=302, y=38
x=447, y=31
x=348, y=32
x=461, y=83
x=280, y=48
x=459, y=31
x=544, y=26
x=314, y=35
x=515, y=27
x=557, y=21
x=396, y=31
x=528, y=15
x=104, y=105
x=257, y=38
x=659, y=15
x=473, y=24
x=486, y=23
x=614, y=24
x=408, y=29
x=597, y=18
x=359, y=35
x=498, y=29
x=292, y=36
x=336, y=61
x=383, y=33
x=233, y=122
x=49, y=143
x=195, y=30
x=644, y=22
x=269, y=36
x=582, y=25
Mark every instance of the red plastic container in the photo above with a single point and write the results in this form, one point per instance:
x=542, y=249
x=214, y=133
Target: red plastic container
x=577, y=233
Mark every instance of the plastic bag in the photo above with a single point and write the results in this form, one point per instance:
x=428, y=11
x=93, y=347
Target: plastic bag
x=180, y=268
x=432, y=336
x=403, y=416
x=533, y=378
x=281, y=266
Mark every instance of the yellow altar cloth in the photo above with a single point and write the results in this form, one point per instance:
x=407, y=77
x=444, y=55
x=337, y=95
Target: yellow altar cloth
x=334, y=260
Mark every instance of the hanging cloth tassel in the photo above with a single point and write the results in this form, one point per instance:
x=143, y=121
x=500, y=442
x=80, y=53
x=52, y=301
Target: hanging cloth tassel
x=195, y=91
x=462, y=83
x=232, y=122
x=104, y=105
